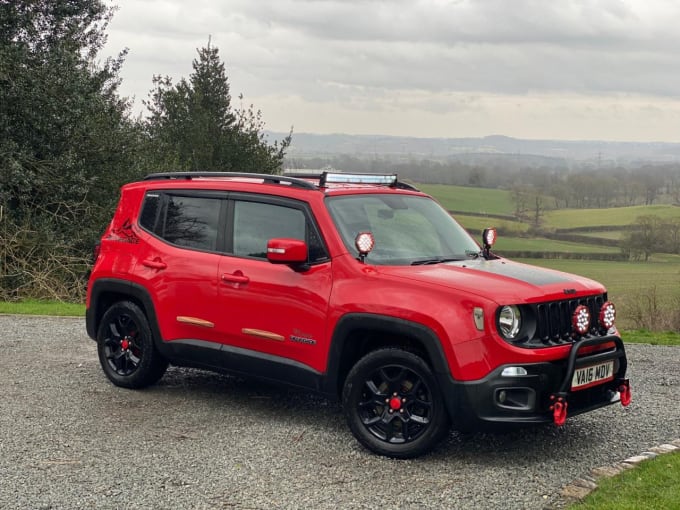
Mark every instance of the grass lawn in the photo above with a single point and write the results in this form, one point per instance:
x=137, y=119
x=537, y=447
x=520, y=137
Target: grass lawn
x=651, y=337
x=32, y=307
x=653, y=484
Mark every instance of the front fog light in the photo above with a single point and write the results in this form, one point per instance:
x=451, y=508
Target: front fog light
x=509, y=321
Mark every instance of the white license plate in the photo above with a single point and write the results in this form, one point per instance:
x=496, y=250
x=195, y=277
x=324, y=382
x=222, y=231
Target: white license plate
x=593, y=375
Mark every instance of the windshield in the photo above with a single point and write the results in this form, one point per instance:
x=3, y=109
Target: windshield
x=407, y=229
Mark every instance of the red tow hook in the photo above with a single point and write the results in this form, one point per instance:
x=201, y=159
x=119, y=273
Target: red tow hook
x=624, y=391
x=559, y=409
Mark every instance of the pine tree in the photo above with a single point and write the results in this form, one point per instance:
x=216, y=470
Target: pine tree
x=193, y=126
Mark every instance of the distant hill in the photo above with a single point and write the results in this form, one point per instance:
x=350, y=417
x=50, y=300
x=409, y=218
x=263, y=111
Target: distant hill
x=472, y=150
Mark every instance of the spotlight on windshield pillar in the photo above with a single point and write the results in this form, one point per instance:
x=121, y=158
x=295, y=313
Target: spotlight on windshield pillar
x=488, y=240
x=364, y=242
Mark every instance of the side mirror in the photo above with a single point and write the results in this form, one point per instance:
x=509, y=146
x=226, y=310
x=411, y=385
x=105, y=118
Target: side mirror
x=286, y=251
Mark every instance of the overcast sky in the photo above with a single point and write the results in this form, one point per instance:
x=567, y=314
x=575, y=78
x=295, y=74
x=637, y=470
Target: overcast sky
x=558, y=69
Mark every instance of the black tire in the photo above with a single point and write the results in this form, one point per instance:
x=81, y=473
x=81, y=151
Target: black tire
x=126, y=348
x=393, y=404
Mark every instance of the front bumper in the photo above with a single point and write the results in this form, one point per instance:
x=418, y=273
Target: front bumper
x=501, y=399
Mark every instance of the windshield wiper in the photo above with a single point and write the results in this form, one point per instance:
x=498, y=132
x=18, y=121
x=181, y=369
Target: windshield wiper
x=434, y=260
x=473, y=254
x=438, y=260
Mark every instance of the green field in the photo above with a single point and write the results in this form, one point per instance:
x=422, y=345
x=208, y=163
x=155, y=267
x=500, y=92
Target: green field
x=474, y=200
x=551, y=245
x=571, y=218
x=481, y=201
x=615, y=235
x=622, y=278
x=476, y=224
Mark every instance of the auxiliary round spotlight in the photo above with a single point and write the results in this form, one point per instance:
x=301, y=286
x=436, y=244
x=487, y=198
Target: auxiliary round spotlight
x=580, y=320
x=607, y=315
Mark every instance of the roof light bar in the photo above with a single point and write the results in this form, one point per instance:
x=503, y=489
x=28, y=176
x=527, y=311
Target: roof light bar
x=340, y=178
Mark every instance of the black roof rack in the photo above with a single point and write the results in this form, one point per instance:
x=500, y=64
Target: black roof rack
x=266, y=178
x=391, y=179
x=298, y=180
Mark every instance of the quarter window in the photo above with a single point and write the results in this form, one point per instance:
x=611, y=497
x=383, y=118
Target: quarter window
x=190, y=222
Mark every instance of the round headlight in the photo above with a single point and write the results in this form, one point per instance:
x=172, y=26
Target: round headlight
x=509, y=321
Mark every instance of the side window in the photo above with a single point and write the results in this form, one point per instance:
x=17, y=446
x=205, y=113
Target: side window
x=192, y=222
x=148, y=217
x=255, y=223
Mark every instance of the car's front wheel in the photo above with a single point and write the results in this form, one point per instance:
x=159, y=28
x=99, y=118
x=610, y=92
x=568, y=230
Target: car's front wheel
x=393, y=404
x=126, y=348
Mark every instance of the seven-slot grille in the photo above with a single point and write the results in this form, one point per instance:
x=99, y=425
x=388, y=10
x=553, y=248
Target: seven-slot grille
x=554, y=319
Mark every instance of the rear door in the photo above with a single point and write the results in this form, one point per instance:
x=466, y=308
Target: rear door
x=179, y=257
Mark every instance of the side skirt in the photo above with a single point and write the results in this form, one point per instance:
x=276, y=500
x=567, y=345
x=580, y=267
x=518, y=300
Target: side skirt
x=243, y=362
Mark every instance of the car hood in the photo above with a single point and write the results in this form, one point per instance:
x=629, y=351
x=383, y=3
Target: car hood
x=500, y=280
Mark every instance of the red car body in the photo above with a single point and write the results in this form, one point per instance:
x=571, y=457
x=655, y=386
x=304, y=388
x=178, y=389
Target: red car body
x=308, y=324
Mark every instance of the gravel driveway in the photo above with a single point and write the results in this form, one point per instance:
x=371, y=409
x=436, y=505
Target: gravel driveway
x=70, y=439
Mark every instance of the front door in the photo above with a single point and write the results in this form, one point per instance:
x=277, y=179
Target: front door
x=271, y=308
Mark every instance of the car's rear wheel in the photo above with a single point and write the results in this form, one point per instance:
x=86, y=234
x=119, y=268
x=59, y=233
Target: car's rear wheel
x=126, y=348
x=393, y=404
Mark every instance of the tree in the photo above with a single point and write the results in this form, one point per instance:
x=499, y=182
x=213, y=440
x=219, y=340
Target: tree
x=193, y=125
x=521, y=199
x=65, y=143
x=646, y=238
x=651, y=181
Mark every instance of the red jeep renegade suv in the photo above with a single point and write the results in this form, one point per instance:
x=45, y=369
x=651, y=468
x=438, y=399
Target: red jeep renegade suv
x=356, y=286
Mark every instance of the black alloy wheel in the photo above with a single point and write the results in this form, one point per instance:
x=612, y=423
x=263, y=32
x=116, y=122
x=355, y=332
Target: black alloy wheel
x=393, y=404
x=125, y=347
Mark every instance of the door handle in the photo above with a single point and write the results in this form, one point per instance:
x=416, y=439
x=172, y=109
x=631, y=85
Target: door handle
x=236, y=277
x=156, y=263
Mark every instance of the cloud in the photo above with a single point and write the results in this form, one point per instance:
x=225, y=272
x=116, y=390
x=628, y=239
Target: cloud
x=429, y=56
